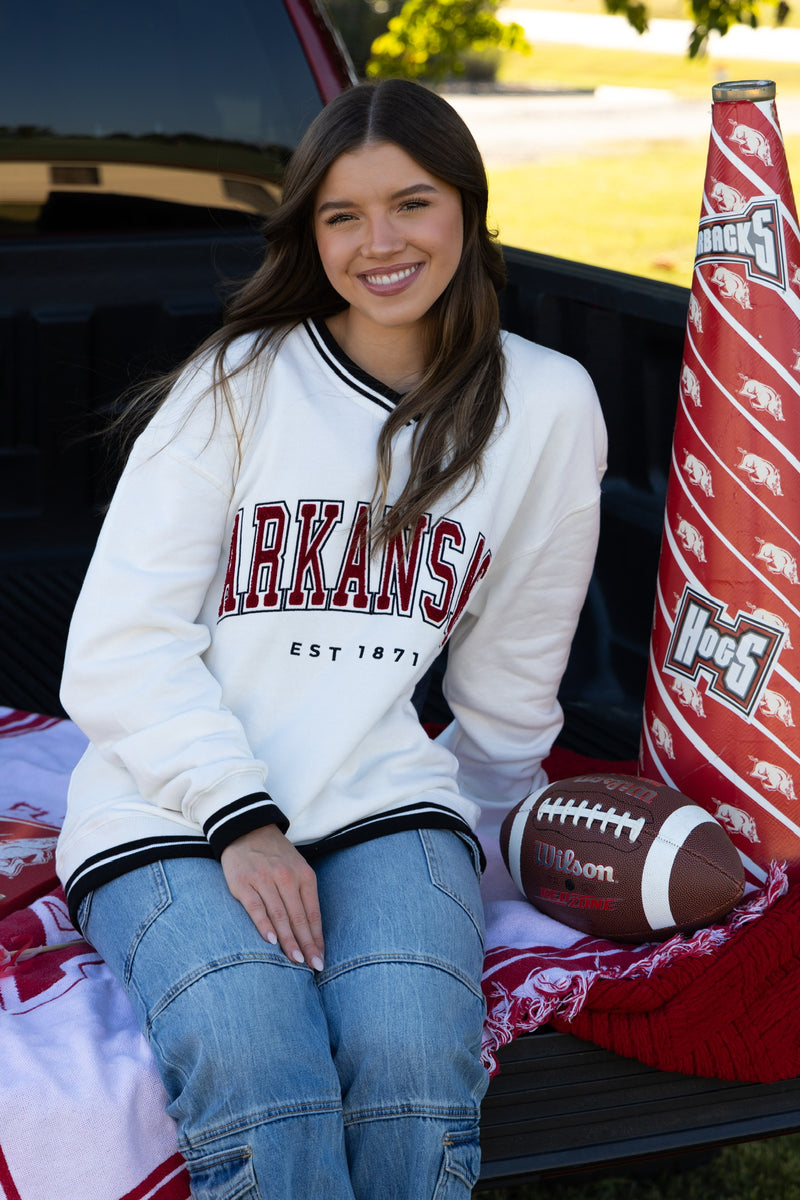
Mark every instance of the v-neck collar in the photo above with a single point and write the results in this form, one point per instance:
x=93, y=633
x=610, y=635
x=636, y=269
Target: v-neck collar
x=343, y=366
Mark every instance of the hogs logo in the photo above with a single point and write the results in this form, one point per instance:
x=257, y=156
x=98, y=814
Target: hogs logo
x=736, y=657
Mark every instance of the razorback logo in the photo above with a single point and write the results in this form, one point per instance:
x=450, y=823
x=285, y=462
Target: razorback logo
x=752, y=238
x=736, y=657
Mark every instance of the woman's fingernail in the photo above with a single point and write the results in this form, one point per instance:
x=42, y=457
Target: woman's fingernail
x=317, y=963
x=272, y=938
x=297, y=956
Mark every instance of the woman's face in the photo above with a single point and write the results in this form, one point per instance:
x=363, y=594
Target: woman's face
x=389, y=235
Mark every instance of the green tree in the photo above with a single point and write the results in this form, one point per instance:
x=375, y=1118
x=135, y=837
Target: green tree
x=430, y=39
x=708, y=16
x=360, y=22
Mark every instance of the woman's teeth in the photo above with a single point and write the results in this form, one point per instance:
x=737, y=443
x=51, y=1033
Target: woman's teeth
x=393, y=277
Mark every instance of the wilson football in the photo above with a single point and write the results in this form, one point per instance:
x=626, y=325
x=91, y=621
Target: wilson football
x=621, y=858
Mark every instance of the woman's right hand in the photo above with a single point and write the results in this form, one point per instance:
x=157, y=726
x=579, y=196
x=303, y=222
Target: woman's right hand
x=278, y=889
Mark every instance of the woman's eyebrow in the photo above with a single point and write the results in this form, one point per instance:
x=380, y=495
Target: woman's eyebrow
x=407, y=191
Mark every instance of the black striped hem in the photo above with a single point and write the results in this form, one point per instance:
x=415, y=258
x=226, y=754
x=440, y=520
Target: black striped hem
x=399, y=821
x=241, y=817
x=119, y=860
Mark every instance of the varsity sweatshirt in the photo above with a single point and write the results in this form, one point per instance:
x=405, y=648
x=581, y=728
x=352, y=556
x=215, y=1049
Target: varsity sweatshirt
x=239, y=657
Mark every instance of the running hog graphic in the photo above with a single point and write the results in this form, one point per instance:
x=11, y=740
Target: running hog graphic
x=726, y=198
x=689, y=696
x=751, y=142
x=690, y=386
x=25, y=852
x=662, y=735
x=698, y=473
x=779, y=561
x=760, y=471
x=732, y=286
x=736, y=820
x=762, y=397
x=771, y=618
x=691, y=539
x=773, y=777
x=695, y=313
x=774, y=704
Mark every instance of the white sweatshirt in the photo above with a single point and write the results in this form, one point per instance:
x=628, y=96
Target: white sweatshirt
x=236, y=657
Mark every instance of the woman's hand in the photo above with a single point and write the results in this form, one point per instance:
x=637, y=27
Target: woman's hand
x=278, y=889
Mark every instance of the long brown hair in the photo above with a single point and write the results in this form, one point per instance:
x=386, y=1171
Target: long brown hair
x=458, y=401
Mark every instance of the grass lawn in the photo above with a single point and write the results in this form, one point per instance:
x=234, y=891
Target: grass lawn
x=589, y=67
x=634, y=210
x=631, y=208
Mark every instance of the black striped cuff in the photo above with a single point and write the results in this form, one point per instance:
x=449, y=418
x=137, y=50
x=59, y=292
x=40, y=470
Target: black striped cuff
x=241, y=817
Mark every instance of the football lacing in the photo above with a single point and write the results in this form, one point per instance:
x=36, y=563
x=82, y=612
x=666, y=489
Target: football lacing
x=571, y=810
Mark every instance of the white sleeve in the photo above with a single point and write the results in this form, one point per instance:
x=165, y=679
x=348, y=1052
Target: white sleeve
x=510, y=650
x=134, y=678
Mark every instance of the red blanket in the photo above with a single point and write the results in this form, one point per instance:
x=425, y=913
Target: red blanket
x=720, y=1004
x=78, y=1082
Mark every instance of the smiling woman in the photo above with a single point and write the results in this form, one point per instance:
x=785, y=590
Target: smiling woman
x=456, y=400
x=262, y=841
x=390, y=252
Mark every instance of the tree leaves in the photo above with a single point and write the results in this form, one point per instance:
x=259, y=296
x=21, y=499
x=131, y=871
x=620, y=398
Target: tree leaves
x=429, y=39
x=708, y=16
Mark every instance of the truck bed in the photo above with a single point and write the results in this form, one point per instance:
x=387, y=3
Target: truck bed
x=558, y=1104
x=561, y=1105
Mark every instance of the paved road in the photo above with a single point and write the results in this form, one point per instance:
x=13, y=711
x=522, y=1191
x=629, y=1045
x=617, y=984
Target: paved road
x=519, y=128
x=765, y=44
x=513, y=129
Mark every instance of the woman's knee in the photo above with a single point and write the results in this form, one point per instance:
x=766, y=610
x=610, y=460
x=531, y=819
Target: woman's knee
x=237, y=1029
x=406, y=1033
x=233, y=1055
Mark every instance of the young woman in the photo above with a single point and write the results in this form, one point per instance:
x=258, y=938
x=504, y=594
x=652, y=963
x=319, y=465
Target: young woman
x=262, y=841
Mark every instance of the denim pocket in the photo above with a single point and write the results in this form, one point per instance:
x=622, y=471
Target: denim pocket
x=454, y=867
x=115, y=916
x=226, y=1175
x=461, y=1165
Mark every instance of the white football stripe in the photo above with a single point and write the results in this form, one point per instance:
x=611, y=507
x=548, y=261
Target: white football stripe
x=660, y=859
x=515, y=836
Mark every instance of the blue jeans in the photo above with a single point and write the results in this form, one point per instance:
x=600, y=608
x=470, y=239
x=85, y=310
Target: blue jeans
x=363, y=1082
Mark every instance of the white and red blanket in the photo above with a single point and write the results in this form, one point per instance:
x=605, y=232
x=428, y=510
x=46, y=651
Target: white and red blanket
x=82, y=1110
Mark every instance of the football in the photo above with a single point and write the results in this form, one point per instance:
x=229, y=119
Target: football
x=621, y=858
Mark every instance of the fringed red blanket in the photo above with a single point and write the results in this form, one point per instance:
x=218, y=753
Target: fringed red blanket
x=719, y=1004
x=79, y=1084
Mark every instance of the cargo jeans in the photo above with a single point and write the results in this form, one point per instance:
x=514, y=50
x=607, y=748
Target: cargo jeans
x=362, y=1082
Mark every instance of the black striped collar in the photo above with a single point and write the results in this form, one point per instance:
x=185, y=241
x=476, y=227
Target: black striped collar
x=348, y=371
